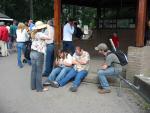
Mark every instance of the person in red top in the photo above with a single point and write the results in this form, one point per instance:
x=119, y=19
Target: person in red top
x=115, y=40
x=3, y=39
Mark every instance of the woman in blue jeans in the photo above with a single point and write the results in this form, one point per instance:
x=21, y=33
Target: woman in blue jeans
x=37, y=56
x=22, y=37
x=63, y=65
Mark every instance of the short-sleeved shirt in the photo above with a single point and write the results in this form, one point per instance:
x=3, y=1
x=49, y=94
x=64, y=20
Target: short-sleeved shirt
x=38, y=44
x=84, y=57
x=68, y=60
x=113, y=61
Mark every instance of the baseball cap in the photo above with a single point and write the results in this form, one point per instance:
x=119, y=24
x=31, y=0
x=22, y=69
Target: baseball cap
x=102, y=47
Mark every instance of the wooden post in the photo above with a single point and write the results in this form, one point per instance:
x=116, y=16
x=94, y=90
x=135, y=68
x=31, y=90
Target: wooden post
x=141, y=20
x=57, y=25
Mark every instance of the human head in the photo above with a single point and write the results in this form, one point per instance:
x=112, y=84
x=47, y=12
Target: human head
x=50, y=22
x=21, y=26
x=102, y=48
x=14, y=22
x=39, y=25
x=2, y=23
x=115, y=34
x=78, y=50
x=60, y=53
x=70, y=21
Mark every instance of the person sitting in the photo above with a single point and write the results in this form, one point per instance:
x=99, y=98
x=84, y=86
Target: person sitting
x=81, y=60
x=63, y=64
x=111, y=67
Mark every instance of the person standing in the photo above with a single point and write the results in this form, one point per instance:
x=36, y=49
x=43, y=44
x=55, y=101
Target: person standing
x=4, y=38
x=68, y=31
x=115, y=40
x=22, y=37
x=30, y=24
x=13, y=29
x=49, y=58
x=37, y=56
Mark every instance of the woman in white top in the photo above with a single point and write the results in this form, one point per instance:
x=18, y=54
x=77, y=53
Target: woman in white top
x=63, y=64
x=22, y=37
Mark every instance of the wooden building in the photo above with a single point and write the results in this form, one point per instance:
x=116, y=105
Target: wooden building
x=136, y=35
x=132, y=40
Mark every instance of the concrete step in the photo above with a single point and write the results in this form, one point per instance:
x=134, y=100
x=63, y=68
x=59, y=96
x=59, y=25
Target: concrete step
x=144, y=83
x=93, y=78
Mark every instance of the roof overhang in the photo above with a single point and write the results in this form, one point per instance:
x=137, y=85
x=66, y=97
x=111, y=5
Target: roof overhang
x=102, y=3
x=4, y=17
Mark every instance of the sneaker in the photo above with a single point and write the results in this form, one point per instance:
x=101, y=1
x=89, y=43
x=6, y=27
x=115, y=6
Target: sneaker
x=73, y=89
x=54, y=84
x=103, y=91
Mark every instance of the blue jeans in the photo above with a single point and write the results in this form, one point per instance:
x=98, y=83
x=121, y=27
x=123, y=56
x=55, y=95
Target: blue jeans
x=102, y=74
x=20, y=49
x=68, y=45
x=73, y=74
x=58, y=73
x=37, y=60
x=49, y=59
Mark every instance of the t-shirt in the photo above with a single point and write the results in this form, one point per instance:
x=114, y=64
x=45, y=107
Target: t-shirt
x=68, y=60
x=68, y=32
x=113, y=61
x=38, y=44
x=22, y=36
x=84, y=57
x=13, y=29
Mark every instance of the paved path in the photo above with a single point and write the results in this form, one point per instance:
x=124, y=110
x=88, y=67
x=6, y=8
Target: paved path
x=16, y=96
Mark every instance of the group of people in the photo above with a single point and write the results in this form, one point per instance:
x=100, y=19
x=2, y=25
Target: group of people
x=71, y=63
x=7, y=37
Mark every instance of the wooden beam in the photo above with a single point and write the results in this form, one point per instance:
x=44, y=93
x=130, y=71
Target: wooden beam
x=141, y=20
x=57, y=25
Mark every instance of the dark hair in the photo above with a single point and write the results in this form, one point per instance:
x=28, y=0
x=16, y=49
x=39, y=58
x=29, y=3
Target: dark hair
x=70, y=20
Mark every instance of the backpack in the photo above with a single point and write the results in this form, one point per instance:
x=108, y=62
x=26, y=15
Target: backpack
x=121, y=56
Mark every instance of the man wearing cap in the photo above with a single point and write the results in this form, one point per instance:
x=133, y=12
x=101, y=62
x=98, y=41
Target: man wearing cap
x=111, y=67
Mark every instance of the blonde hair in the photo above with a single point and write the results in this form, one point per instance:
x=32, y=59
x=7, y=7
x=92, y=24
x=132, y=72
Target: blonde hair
x=33, y=33
x=21, y=26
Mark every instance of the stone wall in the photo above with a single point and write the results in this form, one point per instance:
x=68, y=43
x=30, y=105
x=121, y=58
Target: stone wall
x=139, y=62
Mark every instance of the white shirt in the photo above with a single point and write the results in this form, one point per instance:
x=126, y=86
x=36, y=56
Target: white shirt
x=50, y=33
x=22, y=36
x=68, y=60
x=67, y=32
